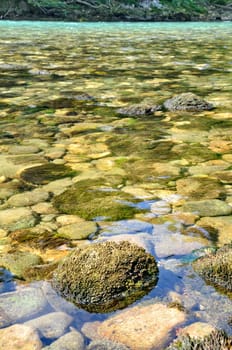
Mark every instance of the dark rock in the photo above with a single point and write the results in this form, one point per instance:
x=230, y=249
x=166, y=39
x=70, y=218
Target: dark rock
x=139, y=109
x=187, y=102
x=106, y=276
x=43, y=174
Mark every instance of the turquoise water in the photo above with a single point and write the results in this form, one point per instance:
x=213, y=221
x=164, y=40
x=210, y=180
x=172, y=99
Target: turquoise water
x=44, y=69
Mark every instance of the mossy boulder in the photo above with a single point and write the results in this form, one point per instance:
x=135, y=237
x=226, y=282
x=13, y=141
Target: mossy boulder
x=216, y=340
x=43, y=174
x=216, y=268
x=187, y=102
x=96, y=198
x=102, y=277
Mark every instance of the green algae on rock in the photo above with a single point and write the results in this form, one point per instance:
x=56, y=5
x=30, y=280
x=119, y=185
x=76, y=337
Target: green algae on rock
x=95, y=198
x=43, y=174
x=216, y=340
x=38, y=238
x=216, y=268
x=103, y=277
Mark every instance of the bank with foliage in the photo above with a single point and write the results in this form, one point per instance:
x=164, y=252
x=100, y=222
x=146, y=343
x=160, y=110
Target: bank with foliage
x=116, y=10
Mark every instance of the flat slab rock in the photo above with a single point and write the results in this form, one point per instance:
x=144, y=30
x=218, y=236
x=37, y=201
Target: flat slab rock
x=147, y=327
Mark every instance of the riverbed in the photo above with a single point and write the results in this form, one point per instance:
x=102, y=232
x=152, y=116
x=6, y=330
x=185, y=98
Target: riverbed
x=64, y=90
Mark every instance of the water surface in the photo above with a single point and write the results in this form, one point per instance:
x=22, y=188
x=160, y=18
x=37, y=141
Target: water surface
x=57, y=77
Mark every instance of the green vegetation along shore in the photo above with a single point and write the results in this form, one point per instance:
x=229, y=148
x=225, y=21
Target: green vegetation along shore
x=117, y=10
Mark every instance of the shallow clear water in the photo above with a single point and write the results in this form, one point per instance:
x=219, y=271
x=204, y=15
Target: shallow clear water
x=46, y=67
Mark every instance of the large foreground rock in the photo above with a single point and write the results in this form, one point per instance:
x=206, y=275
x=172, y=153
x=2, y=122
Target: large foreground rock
x=106, y=276
x=142, y=327
x=19, y=337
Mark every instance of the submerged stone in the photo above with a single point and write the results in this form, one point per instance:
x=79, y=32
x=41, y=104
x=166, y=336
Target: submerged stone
x=197, y=187
x=43, y=174
x=91, y=199
x=52, y=325
x=105, y=344
x=19, y=262
x=17, y=218
x=81, y=230
x=70, y=341
x=216, y=268
x=28, y=198
x=20, y=337
x=143, y=327
x=106, y=276
x=220, y=224
x=213, y=207
x=139, y=109
x=22, y=304
x=187, y=102
x=38, y=237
